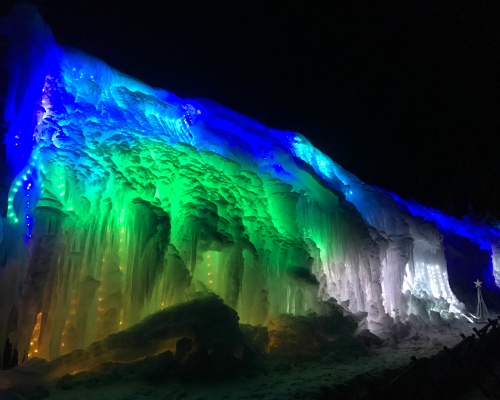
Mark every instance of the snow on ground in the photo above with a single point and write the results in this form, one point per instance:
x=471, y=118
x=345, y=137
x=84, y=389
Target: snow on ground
x=283, y=380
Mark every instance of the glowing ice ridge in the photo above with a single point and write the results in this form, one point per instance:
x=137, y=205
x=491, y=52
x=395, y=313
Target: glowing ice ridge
x=127, y=199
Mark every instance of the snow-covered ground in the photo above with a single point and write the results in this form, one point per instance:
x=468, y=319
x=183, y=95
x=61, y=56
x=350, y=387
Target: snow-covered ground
x=277, y=380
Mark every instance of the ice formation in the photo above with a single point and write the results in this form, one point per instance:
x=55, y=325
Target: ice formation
x=126, y=199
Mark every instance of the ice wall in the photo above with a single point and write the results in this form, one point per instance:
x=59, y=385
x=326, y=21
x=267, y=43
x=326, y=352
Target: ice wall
x=126, y=199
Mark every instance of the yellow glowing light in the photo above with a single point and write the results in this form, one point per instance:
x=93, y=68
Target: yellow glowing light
x=210, y=281
x=35, y=335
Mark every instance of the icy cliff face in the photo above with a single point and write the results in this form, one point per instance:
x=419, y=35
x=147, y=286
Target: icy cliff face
x=128, y=199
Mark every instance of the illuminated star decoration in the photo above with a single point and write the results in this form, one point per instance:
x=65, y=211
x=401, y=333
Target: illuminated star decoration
x=478, y=283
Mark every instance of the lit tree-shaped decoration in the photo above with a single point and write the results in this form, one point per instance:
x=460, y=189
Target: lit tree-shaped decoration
x=482, y=312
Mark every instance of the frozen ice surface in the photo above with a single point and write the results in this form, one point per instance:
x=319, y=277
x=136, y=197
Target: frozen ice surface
x=126, y=199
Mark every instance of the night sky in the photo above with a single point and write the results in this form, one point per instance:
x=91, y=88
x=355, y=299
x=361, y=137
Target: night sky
x=403, y=94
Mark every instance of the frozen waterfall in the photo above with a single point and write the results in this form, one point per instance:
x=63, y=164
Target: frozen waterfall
x=126, y=199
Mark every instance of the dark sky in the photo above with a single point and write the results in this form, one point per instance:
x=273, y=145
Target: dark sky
x=404, y=94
